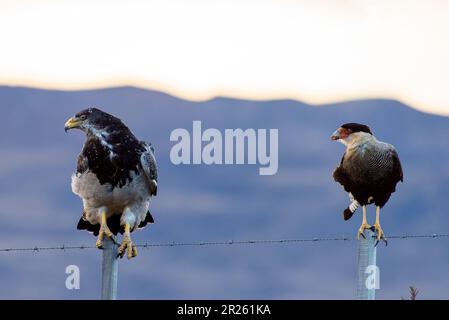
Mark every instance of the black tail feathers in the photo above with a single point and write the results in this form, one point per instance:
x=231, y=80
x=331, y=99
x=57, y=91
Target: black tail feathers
x=86, y=225
x=148, y=219
x=347, y=214
x=113, y=224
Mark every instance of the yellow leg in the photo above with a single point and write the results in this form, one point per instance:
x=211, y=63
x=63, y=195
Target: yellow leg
x=104, y=230
x=127, y=244
x=380, y=233
x=364, y=225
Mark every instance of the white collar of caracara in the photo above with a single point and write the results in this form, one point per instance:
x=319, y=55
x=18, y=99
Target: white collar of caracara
x=357, y=139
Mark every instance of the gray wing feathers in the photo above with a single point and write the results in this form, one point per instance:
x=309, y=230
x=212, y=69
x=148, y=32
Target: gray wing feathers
x=149, y=166
x=397, y=167
x=381, y=161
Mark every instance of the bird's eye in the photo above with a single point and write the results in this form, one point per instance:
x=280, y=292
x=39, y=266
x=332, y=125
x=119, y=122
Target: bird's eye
x=83, y=117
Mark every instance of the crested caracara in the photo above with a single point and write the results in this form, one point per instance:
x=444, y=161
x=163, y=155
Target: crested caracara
x=368, y=171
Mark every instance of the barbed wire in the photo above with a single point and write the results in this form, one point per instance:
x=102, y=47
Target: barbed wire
x=222, y=243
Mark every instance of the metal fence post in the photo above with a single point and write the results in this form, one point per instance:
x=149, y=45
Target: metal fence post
x=368, y=275
x=109, y=271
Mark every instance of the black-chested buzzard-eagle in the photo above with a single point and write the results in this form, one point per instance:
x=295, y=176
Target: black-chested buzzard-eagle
x=116, y=176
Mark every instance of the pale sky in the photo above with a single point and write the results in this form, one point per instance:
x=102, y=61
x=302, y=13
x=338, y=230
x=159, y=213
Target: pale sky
x=314, y=51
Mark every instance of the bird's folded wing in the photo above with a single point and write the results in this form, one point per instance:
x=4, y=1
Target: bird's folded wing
x=149, y=166
x=397, y=167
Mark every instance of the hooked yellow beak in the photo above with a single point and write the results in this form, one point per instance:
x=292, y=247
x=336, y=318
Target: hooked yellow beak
x=72, y=123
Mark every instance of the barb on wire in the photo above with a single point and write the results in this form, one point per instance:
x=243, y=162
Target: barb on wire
x=221, y=243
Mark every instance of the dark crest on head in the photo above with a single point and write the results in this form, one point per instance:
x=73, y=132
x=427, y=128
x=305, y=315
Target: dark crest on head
x=357, y=127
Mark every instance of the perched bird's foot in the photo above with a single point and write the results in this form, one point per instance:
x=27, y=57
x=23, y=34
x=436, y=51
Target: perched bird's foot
x=104, y=231
x=362, y=229
x=379, y=232
x=384, y=240
x=127, y=245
